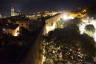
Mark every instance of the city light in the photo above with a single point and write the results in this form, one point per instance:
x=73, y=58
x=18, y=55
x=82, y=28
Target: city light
x=16, y=31
x=67, y=17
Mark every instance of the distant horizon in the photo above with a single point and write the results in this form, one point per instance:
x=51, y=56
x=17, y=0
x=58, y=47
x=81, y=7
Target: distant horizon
x=39, y=5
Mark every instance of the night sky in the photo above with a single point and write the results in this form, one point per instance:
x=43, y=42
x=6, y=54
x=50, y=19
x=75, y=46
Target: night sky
x=38, y=5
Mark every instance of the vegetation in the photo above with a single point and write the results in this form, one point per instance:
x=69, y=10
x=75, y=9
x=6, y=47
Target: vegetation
x=67, y=46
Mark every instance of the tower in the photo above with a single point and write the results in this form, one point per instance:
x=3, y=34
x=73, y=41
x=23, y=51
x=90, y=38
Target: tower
x=0, y=15
x=13, y=13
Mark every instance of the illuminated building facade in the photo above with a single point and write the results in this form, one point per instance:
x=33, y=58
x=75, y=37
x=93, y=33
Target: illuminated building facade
x=13, y=13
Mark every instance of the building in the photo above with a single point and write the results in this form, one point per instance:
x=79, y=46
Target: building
x=13, y=13
x=13, y=30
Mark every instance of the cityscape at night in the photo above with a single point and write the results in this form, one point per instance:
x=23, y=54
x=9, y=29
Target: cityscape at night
x=47, y=31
